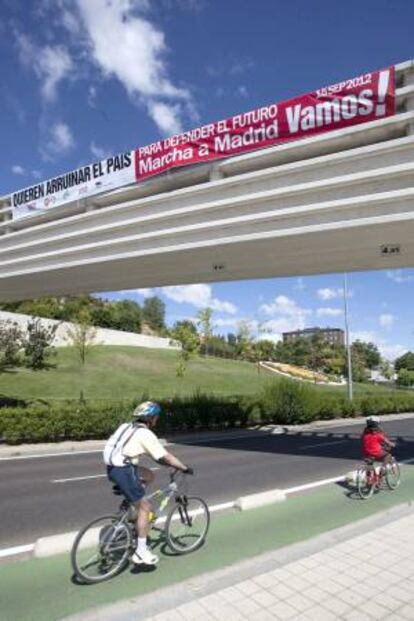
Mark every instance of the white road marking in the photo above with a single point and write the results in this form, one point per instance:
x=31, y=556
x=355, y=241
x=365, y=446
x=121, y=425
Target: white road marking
x=319, y=483
x=92, y=476
x=305, y=446
x=16, y=550
x=85, y=478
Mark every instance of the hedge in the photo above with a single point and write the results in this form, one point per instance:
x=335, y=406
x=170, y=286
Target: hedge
x=284, y=402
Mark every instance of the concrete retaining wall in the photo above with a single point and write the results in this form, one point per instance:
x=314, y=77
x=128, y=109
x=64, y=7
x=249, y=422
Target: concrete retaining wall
x=104, y=336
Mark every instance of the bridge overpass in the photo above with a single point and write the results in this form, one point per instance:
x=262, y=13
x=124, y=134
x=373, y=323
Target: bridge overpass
x=340, y=201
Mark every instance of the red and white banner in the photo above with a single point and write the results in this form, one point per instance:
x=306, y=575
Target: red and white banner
x=368, y=97
x=365, y=98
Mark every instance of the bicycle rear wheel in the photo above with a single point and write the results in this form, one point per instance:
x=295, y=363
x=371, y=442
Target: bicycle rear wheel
x=101, y=549
x=187, y=524
x=365, y=482
x=392, y=474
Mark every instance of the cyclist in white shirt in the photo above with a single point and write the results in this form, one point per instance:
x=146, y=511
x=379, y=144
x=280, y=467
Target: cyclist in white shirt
x=121, y=456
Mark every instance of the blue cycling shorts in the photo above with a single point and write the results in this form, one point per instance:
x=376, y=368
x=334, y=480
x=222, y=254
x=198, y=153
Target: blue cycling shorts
x=128, y=480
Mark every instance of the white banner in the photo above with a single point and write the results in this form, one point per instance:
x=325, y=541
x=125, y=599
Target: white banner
x=109, y=174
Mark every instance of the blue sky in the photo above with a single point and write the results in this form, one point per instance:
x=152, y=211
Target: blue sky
x=82, y=79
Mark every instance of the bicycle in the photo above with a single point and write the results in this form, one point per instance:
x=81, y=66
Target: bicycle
x=370, y=479
x=113, y=538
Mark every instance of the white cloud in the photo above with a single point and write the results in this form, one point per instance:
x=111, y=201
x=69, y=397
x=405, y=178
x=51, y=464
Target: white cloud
x=145, y=292
x=36, y=174
x=241, y=66
x=390, y=351
x=398, y=276
x=227, y=322
x=100, y=153
x=283, y=324
x=50, y=64
x=282, y=305
x=329, y=294
x=326, y=311
x=60, y=140
x=386, y=320
x=291, y=316
x=92, y=92
x=242, y=90
x=199, y=296
x=18, y=170
x=275, y=337
x=364, y=335
x=128, y=47
x=166, y=117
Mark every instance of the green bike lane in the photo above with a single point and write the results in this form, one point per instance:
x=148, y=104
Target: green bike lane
x=43, y=590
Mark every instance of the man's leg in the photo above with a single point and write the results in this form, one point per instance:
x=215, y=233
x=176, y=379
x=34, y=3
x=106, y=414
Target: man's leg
x=143, y=507
x=146, y=475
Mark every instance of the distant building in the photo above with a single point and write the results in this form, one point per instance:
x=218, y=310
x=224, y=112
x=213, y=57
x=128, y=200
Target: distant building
x=333, y=336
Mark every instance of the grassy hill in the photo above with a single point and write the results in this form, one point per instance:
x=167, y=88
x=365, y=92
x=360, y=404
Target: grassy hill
x=114, y=373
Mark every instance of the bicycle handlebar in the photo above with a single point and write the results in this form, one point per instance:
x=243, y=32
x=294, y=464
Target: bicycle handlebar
x=176, y=471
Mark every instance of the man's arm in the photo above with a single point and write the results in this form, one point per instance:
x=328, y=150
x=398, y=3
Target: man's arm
x=170, y=460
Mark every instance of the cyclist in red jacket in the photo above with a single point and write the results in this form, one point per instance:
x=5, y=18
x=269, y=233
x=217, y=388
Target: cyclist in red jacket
x=375, y=444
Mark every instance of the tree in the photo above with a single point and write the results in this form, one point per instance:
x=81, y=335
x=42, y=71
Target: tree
x=11, y=342
x=406, y=361
x=82, y=335
x=405, y=377
x=368, y=353
x=264, y=350
x=185, y=332
x=206, y=329
x=245, y=341
x=126, y=315
x=154, y=313
x=38, y=343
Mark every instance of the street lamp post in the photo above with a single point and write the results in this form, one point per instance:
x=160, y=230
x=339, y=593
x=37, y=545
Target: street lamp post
x=347, y=339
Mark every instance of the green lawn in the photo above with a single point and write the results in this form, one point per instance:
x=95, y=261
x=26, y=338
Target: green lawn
x=113, y=372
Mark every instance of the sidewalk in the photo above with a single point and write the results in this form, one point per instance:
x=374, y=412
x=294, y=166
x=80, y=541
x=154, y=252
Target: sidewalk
x=365, y=577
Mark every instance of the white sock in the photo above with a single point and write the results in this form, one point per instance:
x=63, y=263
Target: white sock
x=142, y=544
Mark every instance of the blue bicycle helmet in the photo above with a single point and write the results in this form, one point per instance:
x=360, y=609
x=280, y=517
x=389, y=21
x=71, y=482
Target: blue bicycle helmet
x=147, y=409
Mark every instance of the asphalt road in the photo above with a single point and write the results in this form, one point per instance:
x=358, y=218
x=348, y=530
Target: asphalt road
x=49, y=495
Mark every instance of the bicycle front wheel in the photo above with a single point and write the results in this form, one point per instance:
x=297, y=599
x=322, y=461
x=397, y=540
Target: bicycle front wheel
x=101, y=549
x=365, y=482
x=187, y=524
x=392, y=475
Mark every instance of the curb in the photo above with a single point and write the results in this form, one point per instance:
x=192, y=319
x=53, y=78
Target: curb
x=253, y=501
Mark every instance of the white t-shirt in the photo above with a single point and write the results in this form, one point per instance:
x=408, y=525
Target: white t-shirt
x=130, y=442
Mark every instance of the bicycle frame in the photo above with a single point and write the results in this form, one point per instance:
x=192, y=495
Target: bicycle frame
x=162, y=498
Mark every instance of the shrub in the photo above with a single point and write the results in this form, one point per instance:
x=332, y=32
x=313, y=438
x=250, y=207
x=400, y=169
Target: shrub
x=287, y=402
x=283, y=402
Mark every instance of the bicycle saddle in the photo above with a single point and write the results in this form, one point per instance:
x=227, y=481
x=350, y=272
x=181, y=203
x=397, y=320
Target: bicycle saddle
x=116, y=490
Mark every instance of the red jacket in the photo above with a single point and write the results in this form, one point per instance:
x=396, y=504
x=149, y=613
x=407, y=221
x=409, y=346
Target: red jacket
x=372, y=444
